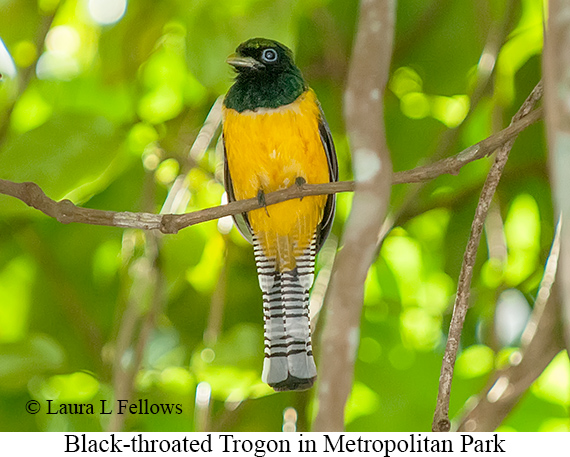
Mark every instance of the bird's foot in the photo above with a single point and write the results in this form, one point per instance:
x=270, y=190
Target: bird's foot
x=299, y=181
x=261, y=200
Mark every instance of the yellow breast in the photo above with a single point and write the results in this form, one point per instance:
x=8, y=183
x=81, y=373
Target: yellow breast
x=267, y=150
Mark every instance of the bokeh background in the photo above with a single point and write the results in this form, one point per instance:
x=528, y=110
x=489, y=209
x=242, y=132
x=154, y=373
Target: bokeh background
x=100, y=103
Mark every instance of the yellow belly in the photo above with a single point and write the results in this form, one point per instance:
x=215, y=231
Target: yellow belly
x=268, y=150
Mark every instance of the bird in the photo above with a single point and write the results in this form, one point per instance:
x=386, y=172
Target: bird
x=275, y=136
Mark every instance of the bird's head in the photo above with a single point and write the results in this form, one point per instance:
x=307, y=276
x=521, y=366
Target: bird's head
x=261, y=56
x=266, y=76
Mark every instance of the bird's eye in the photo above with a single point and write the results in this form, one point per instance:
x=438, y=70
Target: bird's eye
x=269, y=55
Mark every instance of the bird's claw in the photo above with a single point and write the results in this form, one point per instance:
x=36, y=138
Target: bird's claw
x=261, y=200
x=299, y=181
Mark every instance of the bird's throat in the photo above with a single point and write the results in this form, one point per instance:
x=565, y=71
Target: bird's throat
x=253, y=90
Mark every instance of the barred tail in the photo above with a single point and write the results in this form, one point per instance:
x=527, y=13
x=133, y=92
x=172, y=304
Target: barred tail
x=288, y=363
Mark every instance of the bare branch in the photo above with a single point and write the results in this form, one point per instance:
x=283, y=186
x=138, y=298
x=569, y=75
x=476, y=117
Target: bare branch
x=367, y=79
x=66, y=212
x=441, y=421
x=452, y=165
x=540, y=342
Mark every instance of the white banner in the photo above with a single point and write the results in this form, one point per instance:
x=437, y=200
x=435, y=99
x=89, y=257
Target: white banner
x=287, y=444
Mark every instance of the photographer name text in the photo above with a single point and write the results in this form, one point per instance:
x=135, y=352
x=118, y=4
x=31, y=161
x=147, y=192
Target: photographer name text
x=141, y=407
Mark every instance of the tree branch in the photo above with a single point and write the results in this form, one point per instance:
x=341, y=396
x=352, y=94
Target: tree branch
x=556, y=63
x=367, y=78
x=540, y=342
x=441, y=421
x=66, y=212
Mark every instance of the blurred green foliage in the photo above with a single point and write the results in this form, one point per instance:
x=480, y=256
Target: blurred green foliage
x=104, y=112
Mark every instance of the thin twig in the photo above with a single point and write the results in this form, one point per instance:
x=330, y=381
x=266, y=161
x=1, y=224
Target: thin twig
x=66, y=212
x=441, y=422
x=147, y=289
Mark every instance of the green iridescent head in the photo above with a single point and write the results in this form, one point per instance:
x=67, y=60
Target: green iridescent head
x=266, y=76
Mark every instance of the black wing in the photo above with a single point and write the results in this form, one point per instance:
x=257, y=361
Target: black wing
x=241, y=221
x=325, y=225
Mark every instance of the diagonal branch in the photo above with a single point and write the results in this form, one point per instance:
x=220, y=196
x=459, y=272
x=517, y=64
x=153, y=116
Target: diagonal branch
x=441, y=421
x=541, y=341
x=66, y=212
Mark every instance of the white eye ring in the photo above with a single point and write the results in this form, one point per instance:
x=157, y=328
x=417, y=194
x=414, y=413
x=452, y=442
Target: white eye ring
x=269, y=55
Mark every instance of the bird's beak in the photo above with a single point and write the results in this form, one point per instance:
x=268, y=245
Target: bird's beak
x=243, y=62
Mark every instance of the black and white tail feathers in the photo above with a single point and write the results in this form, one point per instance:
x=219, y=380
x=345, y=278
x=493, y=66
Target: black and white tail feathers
x=288, y=363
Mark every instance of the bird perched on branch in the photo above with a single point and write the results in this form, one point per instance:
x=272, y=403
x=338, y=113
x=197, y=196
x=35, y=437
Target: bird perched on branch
x=276, y=136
